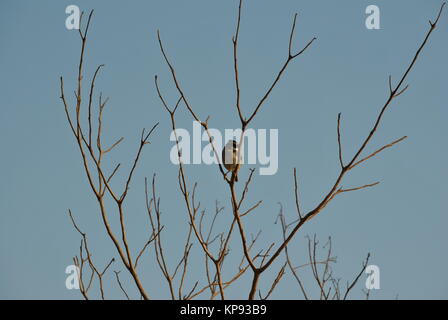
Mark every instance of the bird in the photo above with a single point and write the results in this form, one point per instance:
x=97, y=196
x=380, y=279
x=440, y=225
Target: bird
x=230, y=157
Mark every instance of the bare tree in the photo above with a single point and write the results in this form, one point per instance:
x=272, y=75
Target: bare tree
x=215, y=246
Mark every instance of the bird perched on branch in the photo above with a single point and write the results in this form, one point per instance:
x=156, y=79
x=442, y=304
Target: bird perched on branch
x=230, y=157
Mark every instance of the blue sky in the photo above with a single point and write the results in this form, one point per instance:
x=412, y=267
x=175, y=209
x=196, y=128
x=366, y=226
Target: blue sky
x=401, y=222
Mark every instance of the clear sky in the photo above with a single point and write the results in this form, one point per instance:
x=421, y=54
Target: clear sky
x=402, y=222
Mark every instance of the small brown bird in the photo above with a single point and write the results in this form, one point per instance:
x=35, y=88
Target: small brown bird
x=230, y=157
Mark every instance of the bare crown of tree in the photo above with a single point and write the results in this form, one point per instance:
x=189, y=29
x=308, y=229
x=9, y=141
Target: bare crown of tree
x=215, y=246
